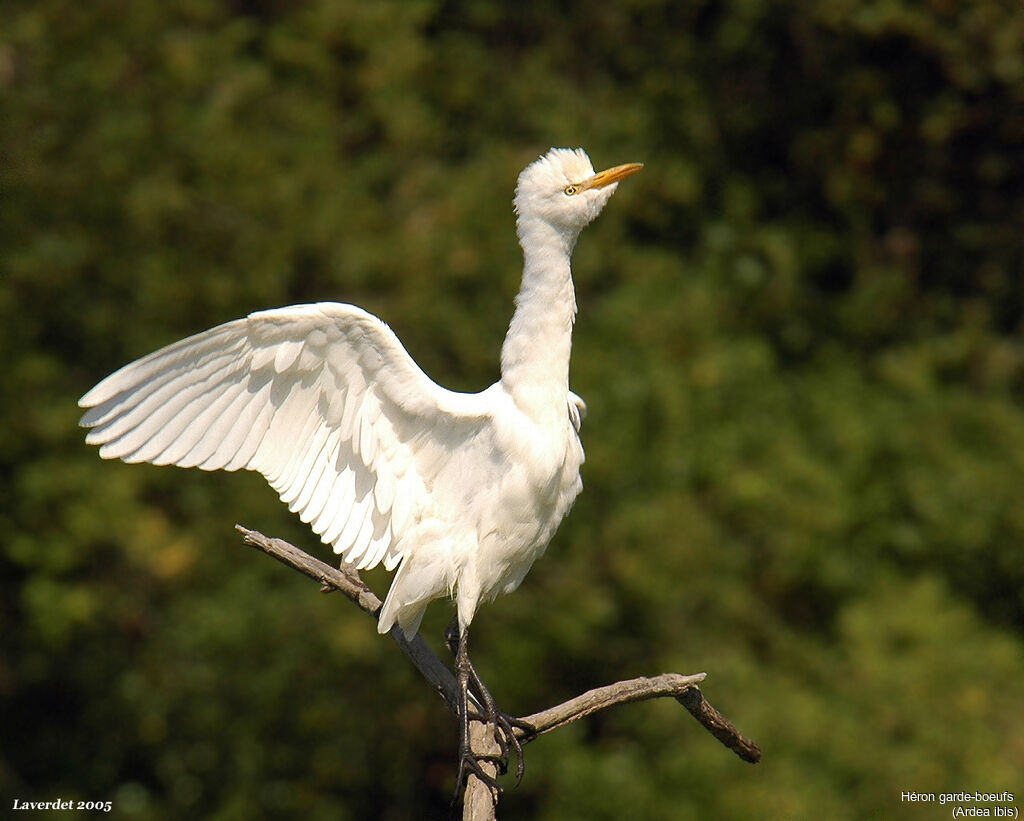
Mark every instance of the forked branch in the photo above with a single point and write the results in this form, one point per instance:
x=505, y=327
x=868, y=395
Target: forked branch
x=683, y=688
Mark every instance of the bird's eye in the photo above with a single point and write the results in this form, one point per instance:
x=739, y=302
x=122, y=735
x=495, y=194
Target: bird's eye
x=570, y=190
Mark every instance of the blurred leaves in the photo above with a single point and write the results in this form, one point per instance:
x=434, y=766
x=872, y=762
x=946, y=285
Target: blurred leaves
x=799, y=339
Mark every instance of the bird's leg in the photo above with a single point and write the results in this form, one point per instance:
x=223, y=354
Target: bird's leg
x=504, y=724
x=469, y=762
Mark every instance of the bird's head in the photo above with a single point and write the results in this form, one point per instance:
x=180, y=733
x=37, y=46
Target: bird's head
x=562, y=189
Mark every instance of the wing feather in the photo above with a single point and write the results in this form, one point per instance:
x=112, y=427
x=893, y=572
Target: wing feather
x=321, y=399
x=287, y=352
x=304, y=465
x=367, y=439
x=362, y=541
x=342, y=495
x=380, y=540
x=347, y=543
x=212, y=451
x=240, y=441
x=304, y=484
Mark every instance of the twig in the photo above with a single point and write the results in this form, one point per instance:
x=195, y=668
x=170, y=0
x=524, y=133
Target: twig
x=479, y=801
x=718, y=725
x=683, y=688
x=600, y=698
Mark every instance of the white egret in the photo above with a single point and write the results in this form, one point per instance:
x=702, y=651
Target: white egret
x=461, y=492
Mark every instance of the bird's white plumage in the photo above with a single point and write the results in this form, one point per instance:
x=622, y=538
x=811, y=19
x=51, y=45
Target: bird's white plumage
x=462, y=492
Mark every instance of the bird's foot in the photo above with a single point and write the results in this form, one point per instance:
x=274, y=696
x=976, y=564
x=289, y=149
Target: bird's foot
x=470, y=764
x=504, y=725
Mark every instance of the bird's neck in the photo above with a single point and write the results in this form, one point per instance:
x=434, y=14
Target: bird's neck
x=535, y=354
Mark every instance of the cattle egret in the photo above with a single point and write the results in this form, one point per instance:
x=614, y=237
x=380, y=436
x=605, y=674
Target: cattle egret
x=461, y=492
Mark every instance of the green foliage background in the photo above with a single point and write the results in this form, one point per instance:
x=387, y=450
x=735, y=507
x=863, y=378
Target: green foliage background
x=800, y=340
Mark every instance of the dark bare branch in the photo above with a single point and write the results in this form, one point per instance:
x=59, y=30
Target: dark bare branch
x=718, y=725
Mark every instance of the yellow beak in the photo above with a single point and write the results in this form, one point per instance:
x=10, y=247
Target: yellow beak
x=610, y=175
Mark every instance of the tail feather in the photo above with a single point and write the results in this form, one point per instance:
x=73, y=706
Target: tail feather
x=408, y=616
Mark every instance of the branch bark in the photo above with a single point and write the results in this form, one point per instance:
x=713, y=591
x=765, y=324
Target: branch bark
x=479, y=803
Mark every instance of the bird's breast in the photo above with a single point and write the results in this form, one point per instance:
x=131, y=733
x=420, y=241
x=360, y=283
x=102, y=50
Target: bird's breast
x=538, y=480
x=541, y=455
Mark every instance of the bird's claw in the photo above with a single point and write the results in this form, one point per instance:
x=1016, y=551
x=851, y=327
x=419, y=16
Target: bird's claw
x=505, y=736
x=469, y=764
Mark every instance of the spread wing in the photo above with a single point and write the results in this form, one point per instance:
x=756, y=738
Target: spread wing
x=321, y=399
